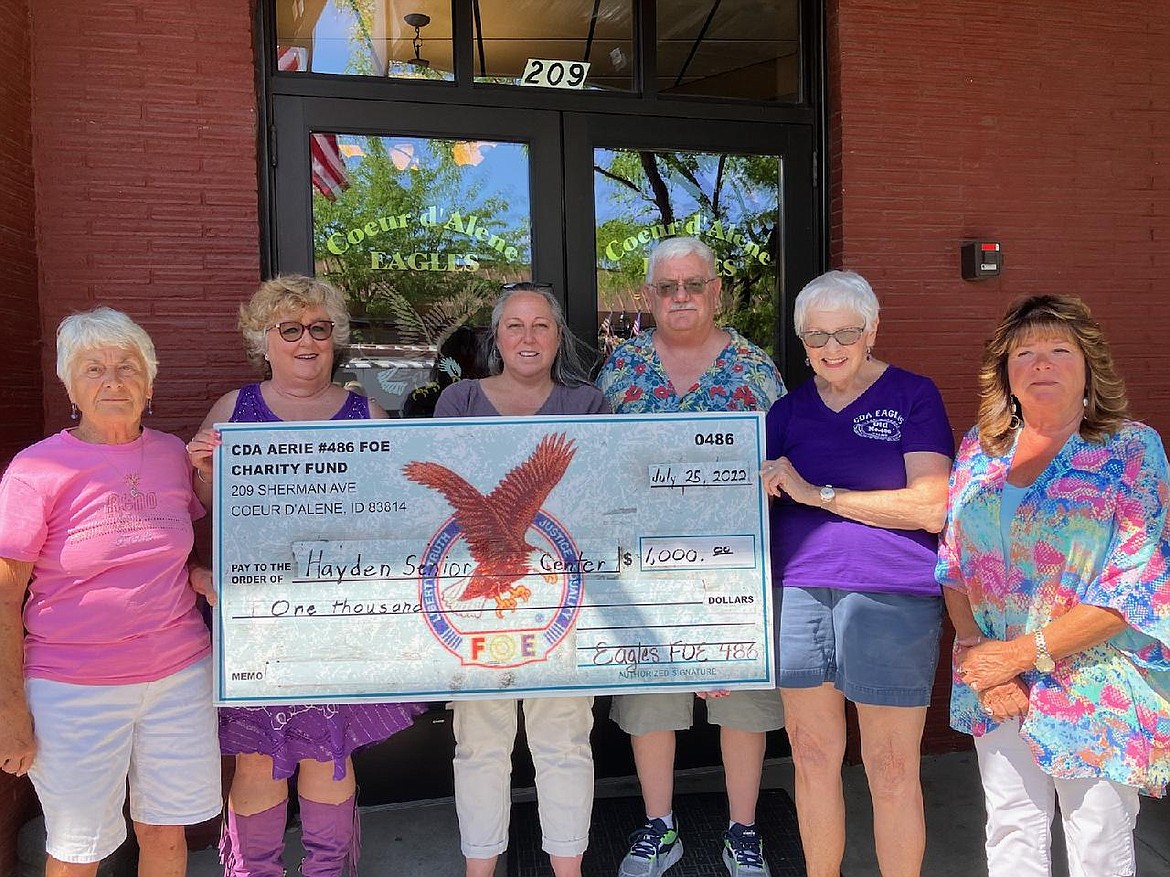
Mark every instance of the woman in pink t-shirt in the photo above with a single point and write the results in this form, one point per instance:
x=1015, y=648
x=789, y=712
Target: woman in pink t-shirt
x=105, y=673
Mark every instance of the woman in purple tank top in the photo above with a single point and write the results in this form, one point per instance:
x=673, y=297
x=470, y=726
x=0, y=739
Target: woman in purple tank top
x=292, y=328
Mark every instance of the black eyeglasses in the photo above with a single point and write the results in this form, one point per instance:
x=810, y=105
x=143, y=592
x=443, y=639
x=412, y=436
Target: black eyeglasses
x=291, y=330
x=844, y=337
x=692, y=285
x=524, y=284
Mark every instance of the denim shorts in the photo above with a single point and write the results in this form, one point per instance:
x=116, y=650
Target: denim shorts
x=877, y=649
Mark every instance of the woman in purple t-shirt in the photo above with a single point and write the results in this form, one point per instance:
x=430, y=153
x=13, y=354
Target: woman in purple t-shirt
x=858, y=461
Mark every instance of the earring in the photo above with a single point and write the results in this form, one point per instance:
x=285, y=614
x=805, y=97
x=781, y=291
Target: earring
x=868, y=354
x=807, y=361
x=73, y=415
x=1085, y=402
x=149, y=406
x=1017, y=419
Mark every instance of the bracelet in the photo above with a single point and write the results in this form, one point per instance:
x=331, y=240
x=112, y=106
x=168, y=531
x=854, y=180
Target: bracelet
x=199, y=475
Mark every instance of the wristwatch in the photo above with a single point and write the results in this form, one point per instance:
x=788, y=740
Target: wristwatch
x=1043, y=662
x=828, y=494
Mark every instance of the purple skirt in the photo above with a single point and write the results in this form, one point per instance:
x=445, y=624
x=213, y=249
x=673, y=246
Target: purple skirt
x=322, y=732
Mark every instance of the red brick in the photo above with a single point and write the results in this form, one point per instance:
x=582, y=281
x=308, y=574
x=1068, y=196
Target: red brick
x=1001, y=121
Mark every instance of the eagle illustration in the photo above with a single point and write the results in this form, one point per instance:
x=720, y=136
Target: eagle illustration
x=495, y=525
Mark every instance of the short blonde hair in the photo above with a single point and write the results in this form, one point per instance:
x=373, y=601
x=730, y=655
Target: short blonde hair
x=287, y=294
x=102, y=327
x=1064, y=316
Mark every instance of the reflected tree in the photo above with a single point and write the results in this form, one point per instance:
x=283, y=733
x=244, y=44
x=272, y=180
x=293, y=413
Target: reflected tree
x=404, y=232
x=730, y=201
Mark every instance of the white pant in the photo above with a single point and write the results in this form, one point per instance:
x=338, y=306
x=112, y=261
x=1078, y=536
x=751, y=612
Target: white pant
x=558, y=738
x=91, y=739
x=1098, y=815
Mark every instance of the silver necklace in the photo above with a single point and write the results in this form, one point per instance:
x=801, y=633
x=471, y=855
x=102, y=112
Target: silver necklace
x=132, y=478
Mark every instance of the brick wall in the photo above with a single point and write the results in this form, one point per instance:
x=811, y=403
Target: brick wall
x=145, y=150
x=1045, y=126
x=20, y=392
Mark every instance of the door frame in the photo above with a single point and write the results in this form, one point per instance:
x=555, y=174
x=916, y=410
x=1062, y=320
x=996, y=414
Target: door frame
x=561, y=193
x=584, y=132
x=298, y=117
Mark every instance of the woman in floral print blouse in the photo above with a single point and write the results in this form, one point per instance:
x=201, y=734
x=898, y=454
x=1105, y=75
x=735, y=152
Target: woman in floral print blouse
x=1055, y=574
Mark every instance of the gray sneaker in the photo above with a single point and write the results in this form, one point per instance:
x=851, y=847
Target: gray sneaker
x=653, y=849
x=743, y=852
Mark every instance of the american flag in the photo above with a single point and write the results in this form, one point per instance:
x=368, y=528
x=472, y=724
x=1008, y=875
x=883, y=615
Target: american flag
x=329, y=176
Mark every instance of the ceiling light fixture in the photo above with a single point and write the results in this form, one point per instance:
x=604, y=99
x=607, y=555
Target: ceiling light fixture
x=417, y=20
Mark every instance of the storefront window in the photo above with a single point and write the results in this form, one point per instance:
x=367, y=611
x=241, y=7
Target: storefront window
x=365, y=38
x=736, y=48
x=747, y=49
x=419, y=233
x=555, y=43
x=731, y=202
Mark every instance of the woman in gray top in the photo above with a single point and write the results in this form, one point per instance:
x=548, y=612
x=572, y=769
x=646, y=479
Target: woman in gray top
x=536, y=368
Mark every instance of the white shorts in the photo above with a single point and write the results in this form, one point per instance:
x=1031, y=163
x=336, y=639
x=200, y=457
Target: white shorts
x=161, y=736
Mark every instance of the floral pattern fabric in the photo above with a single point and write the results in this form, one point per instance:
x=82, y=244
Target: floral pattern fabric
x=742, y=378
x=1091, y=529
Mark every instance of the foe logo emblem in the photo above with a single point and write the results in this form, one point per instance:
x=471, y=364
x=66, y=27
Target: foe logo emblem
x=495, y=528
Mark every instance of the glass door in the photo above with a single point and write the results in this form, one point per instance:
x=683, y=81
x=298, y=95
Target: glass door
x=743, y=189
x=418, y=222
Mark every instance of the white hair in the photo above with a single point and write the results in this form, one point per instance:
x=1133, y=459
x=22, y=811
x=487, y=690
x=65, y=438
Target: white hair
x=102, y=327
x=680, y=247
x=837, y=290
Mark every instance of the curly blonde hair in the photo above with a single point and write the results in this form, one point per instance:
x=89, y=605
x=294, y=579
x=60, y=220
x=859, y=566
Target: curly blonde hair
x=1064, y=316
x=285, y=295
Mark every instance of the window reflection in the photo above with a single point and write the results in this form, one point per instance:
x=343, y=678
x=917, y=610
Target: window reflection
x=510, y=32
x=730, y=48
x=733, y=48
x=402, y=40
x=419, y=233
x=731, y=202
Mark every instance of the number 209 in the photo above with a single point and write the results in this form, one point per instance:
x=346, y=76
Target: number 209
x=557, y=74
x=715, y=438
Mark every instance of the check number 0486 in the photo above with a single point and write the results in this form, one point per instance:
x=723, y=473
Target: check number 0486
x=555, y=74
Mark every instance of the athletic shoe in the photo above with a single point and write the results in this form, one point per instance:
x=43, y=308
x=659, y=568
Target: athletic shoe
x=653, y=849
x=743, y=852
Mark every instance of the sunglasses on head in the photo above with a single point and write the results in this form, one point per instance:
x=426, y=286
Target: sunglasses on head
x=291, y=330
x=525, y=285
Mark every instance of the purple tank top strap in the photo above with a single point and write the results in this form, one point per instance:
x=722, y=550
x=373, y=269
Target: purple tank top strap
x=250, y=407
x=356, y=407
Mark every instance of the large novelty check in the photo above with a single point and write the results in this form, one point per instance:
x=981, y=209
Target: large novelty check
x=427, y=560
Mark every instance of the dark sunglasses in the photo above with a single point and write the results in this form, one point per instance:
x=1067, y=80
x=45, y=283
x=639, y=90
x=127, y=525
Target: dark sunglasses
x=291, y=330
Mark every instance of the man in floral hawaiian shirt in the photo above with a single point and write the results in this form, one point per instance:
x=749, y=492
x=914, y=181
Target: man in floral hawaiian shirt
x=687, y=363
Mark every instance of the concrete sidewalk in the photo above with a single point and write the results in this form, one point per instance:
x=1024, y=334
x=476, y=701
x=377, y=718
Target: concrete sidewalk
x=422, y=839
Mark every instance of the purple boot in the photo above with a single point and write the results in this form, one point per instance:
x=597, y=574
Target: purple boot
x=330, y=835
x=251, y=846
